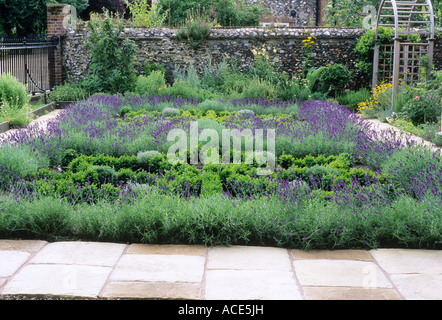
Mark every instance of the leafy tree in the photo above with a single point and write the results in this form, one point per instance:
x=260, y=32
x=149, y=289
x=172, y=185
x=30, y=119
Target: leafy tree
x=23, y=17
x=114, y=6
x=228, y=12
x=348, y=13
x=145, y=14
x=437, y=7
x=80, y=5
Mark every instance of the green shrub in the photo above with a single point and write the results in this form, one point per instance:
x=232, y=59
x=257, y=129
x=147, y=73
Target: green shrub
x=334, y=78
x=285, y=161
x=245, y=113
x=422, y=103
x=12, y=92
x=105, y=174
x=363, y=176
x=425, y=106
x=49, y=219
x=80, y=5
x=297, y=89
x=189, y=75
x=364, y=48
x=321, y=175
x=68, y=92
x=112, y=68
x=150, y=85
x=158, y=163
x=75, y=189
x=125, y=110
x=183, y=89
x=196, y=28
x=189, y=181
x=211, y=183
x=214, y=105
x=258, y=88
x=126, y=175
x=82, y=162
x=68, y=156
x=401, y=99
x=145, y=156
x=437, y=139
x=170, y=112
x=150, y=67
x=351, y=99
x=342, y=161
x=17, y=117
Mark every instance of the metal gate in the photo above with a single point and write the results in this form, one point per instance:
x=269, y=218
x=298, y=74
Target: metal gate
x=28, y=61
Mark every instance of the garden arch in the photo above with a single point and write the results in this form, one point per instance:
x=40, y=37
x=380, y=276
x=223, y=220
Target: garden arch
x=407, y=58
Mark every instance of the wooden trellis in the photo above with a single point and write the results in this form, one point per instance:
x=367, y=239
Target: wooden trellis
x=408, y=58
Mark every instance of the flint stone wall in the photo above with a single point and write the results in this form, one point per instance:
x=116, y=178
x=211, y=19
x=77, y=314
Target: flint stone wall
x=299, y=13
x=160, y=45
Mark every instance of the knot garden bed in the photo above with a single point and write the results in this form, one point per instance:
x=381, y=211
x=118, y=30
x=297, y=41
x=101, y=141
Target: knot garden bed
x=100, y=172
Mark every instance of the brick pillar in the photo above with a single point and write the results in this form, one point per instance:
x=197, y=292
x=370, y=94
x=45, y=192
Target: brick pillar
x=58, y=19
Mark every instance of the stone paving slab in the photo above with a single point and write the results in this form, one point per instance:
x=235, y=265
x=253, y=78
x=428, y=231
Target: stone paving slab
x=340, y=273
x=152, y=290
x=248, y=258
x=251, y=285
x=167, y=249
x=350, y=293
x=11, y=261
x=30, y=246
x=168, y=268
x=419, y=286
x=409, y=260
x=58, y=280
x=356, y=255
x=138, y=271
x=83, y=253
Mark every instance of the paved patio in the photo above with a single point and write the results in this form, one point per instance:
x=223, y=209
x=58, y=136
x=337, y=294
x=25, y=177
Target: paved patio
x=91, y=270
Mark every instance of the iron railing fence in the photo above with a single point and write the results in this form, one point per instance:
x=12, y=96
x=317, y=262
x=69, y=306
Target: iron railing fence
x=27, y=59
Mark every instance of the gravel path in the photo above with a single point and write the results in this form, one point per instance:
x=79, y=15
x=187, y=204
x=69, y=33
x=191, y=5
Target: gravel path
x=378, y=125
x=41, y=121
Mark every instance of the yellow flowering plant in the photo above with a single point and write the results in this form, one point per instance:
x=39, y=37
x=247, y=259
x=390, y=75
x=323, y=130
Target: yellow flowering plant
x=266, y=65
x=307, y=62
x=308, y=43
x=379, y=101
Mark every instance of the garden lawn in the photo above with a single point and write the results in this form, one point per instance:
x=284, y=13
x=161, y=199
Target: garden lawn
x=100, y=172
